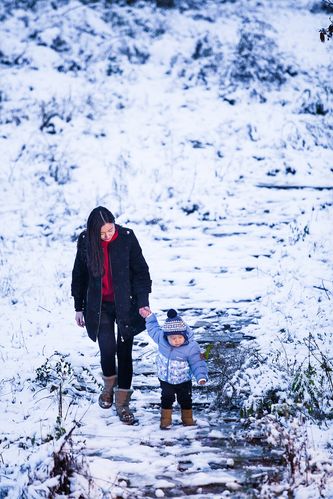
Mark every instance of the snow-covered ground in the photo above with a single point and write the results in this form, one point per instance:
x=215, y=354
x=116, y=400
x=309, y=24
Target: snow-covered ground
x=208, y=130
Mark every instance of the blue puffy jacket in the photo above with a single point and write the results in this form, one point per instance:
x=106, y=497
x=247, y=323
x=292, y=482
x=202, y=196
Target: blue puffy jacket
x=176, y=364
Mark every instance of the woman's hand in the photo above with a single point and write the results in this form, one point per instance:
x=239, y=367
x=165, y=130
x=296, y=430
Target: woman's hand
x=79, y=319
x=145, y=311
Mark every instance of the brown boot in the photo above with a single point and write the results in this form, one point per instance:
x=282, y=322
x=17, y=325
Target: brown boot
x=187, y=417
x=122, y=399
x=165, y=423
x=105, y=399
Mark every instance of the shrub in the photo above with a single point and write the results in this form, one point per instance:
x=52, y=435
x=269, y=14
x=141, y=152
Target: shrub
x=228, y=366
x=58, y=375
x=257, y=60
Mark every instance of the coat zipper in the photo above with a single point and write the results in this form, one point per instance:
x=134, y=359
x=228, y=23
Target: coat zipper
x=168, y=364
x=114, y=294
x=100, y=312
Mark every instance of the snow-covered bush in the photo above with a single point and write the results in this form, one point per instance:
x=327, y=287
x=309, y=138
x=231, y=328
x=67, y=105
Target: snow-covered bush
x=58, y=375
x=7, y=6
x=289, y=383
x=319, y=6
x=257, y=59
x=305, y=471
x=312, y=382
x=55, y=469
x=227, y=365
x=203, y=66
x=315, y=100
x=292, y=371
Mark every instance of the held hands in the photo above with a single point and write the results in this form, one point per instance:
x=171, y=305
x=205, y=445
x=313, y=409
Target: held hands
x=79, y=319
x=144, y=312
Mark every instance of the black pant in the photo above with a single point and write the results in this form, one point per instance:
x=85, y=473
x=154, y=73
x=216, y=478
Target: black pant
x=109, y=348
x=183, y=391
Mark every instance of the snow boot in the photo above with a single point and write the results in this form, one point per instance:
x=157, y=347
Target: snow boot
x=165, y=423
x=187, y=417
x=105, y=399
x=122, y=400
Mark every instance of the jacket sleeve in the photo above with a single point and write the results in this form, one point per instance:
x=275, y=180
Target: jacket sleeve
x=154, y=329
x=140, y=277
x=80, y=276
x=197, y=364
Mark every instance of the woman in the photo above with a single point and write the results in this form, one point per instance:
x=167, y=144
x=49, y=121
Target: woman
x=111, y=284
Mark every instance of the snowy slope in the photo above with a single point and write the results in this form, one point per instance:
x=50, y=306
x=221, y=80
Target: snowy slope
x=182, y=122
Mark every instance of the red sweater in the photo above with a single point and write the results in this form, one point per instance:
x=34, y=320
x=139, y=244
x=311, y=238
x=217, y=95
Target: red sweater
x=107, y=287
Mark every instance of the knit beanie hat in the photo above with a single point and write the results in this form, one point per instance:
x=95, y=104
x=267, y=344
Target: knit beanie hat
x=174, y=324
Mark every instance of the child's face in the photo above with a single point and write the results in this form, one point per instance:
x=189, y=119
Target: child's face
x=176, y=340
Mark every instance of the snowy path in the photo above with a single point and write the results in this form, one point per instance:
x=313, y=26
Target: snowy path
x=201, y=461
x=218, y=455
x=217, y=276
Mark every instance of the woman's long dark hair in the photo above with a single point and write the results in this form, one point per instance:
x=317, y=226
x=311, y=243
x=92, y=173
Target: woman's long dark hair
x=97, y=218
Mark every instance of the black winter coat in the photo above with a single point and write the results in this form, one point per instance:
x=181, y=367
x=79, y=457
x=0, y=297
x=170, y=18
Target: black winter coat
x=130, y=279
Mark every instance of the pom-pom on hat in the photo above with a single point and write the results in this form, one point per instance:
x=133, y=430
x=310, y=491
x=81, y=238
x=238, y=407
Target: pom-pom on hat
x=174, y=324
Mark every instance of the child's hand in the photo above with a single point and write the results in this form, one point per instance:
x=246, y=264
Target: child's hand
x=144, y=312
x=201, y=382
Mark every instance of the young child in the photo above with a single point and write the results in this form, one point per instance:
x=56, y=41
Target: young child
x=178, y=359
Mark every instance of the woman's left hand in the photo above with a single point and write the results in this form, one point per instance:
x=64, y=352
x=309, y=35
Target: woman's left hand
x=79, y=319
x=144, y=312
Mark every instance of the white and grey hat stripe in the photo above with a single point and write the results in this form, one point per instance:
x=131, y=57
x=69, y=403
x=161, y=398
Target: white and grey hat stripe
x=174, y=326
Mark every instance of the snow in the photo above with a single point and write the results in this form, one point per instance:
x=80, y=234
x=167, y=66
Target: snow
x=109, y=106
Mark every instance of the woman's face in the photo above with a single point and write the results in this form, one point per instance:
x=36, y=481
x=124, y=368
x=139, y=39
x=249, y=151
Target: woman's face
x=107, y=232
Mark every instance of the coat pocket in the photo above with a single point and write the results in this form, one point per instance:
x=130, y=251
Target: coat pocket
x=135, y=323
